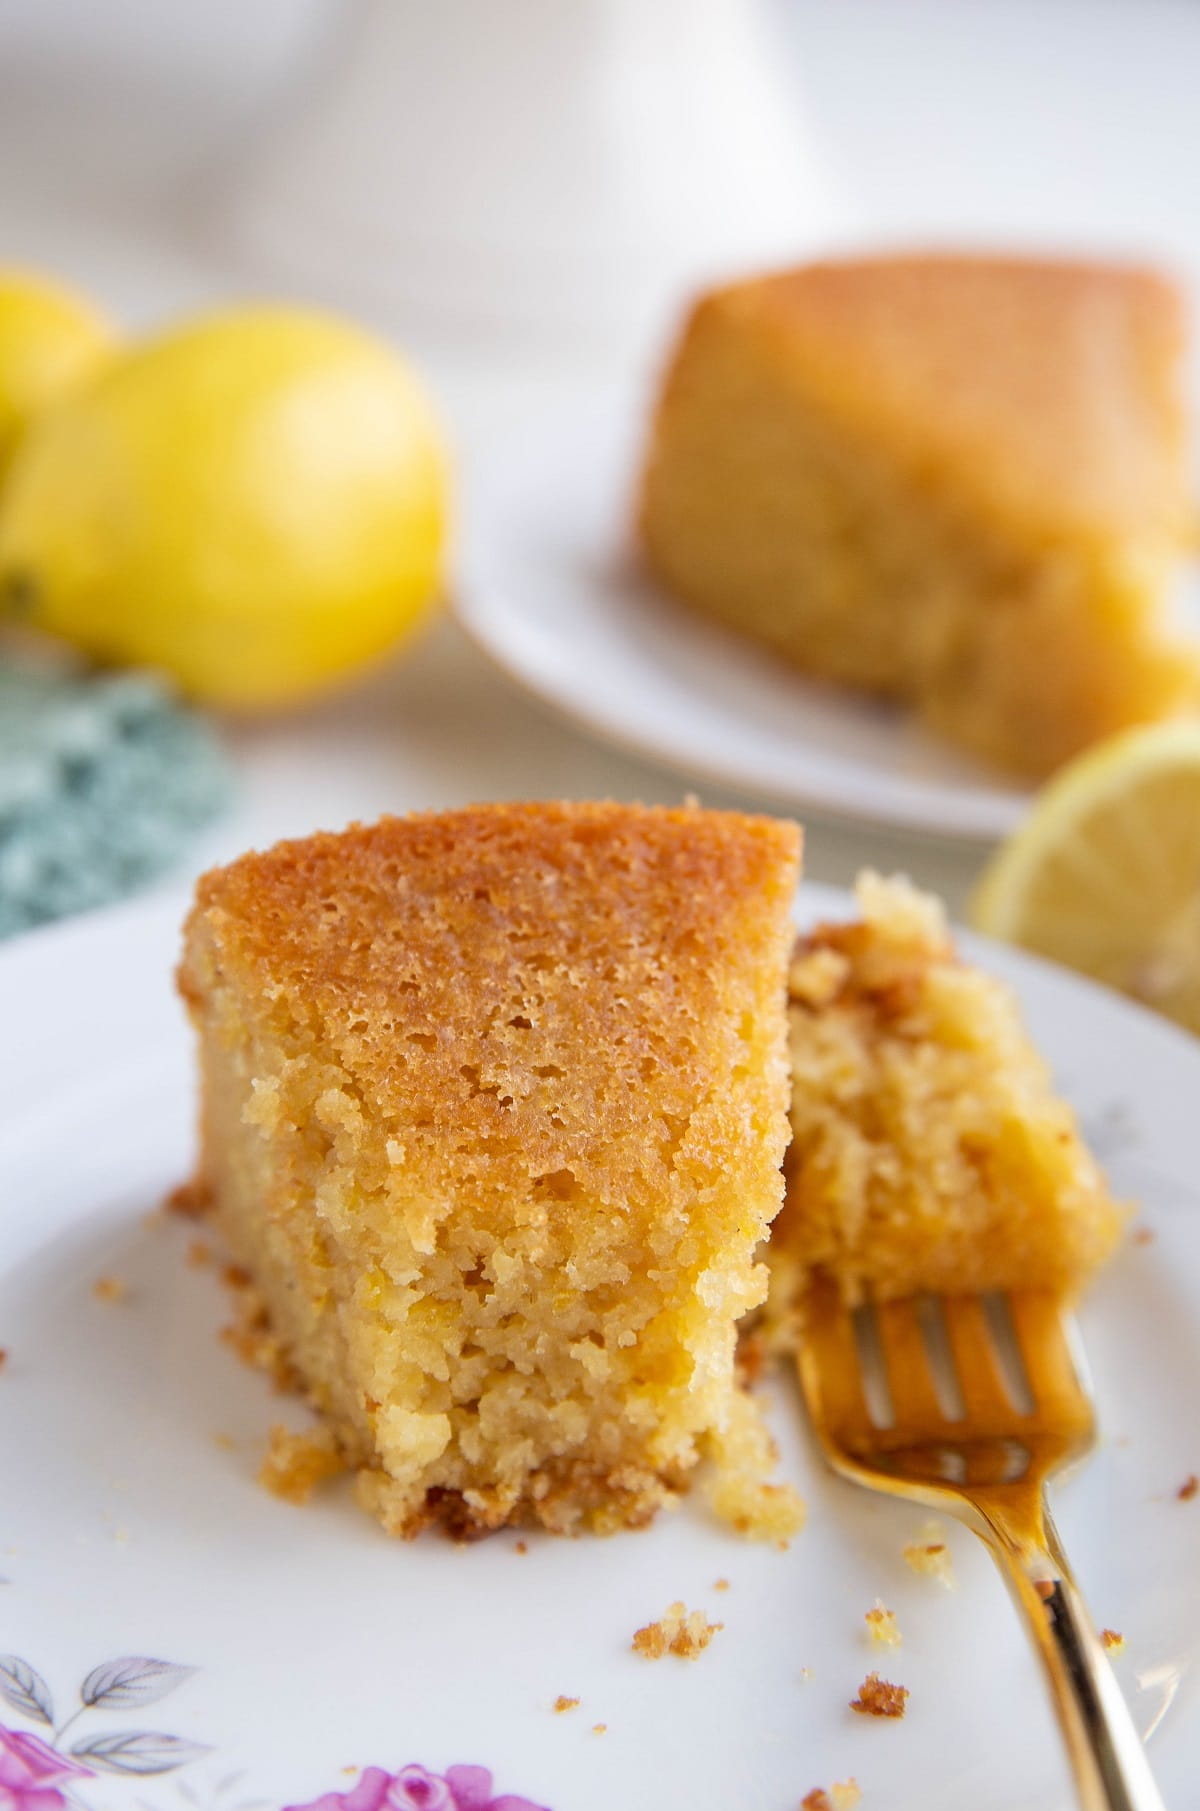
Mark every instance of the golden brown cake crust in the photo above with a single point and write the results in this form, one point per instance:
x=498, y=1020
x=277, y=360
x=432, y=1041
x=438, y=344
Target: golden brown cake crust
x=1049, y=388
x=494, y=1107
x=960, y=482
x=427, y=1005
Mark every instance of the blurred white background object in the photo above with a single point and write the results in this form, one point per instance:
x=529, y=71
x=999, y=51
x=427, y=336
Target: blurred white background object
x=549, y=168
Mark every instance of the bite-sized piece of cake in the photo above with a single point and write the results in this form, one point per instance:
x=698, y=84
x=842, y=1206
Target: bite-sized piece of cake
x=929, y=1150
x=961, y=482
x=494, y=1104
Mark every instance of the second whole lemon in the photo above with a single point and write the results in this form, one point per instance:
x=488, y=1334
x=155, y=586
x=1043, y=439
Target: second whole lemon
x=255, y=502
x=50, y=337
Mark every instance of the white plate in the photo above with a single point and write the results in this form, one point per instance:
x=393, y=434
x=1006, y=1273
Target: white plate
x=548, y=587
x=127, y=1528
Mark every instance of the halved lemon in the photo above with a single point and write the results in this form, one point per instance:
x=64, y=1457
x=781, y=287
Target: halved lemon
x=1104, y=875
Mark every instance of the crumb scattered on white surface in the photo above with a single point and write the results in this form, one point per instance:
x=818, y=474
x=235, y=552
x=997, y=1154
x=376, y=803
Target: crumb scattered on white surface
x=683, y=1632
x=882, y=1626
x=930, y=1557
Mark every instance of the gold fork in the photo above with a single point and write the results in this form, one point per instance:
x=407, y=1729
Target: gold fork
x=969, y=1406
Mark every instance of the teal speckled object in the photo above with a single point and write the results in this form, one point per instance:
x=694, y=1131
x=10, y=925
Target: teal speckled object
x=104, y=779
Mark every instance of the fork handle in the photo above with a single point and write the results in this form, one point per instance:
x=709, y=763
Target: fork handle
x=1106, y=1752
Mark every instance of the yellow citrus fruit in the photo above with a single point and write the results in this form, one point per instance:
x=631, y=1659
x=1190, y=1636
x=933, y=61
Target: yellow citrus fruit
x=255, y=501
x=1104, y=875
x=49, y=338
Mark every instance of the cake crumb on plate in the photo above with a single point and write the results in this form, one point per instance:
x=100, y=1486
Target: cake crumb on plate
x=882, y=1626
x=562, y=1703
x=599, y=1729
x=1188, y=1489
x=722, y=1584
x=296, y=1463
x=744, y=1454
x=199, y=1253
x=879, y=1698
x=110, y=1289
x=683, y=1632
x=931, y=1557
x=1113, y=1640
x=190, y=1199
x=842, y=1796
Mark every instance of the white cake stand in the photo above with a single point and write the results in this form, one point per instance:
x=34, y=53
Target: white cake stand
x=562, y=168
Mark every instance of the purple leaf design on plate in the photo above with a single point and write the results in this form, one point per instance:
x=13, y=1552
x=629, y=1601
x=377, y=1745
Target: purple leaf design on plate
x=25, y=1689
x=144, y=1752
x=133, y=1679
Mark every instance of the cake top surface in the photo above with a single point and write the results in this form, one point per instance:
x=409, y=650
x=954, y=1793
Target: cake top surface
x=523, y=988
x=1051, y=388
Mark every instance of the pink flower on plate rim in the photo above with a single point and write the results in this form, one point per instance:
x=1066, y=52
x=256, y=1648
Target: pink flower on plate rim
x=415, y=1789
x=31, y=1772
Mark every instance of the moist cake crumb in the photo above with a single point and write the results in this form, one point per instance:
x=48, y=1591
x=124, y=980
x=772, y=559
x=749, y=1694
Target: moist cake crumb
x=685, y=1633
x=599, y=1729
x=110, y=1289
x=494, y=1103
x=1113, y=1640
x=842, y=1796
x=751, y=1358
x=882, y=1626
x=562, y=1703
x=744, y=1454
x=722, y=1584
x=190, y=1199
x=250, y=1334
x=878, y=1698
x=521, y=1547
x=929, y=1150
x=1188, y=1489
x=296, y=1463
x=931, y=1557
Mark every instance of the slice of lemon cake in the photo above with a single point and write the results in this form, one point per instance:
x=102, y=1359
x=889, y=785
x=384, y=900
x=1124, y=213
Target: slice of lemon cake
x=929, y=1150
x=494, y=1104
x=961, y=482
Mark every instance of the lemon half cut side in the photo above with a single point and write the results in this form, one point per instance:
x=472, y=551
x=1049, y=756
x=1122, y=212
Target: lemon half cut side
x=1104, y=876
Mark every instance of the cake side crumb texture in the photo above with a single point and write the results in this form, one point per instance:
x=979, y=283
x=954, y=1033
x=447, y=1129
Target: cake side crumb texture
x=493, y=1108
x=929, y=1150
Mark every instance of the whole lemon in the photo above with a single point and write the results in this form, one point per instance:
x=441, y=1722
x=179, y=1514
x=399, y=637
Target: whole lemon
x=254, y=501
x=49, y=338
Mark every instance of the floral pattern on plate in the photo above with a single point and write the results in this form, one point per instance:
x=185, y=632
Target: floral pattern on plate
x=37, y=1774
x=413, y=1789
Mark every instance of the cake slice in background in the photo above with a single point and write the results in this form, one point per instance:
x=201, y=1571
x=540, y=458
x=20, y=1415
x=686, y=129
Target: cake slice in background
x=494, y=1107
x=959, y=482
x=929, y=1149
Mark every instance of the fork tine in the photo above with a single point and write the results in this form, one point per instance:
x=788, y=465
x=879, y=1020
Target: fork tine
x=1040, y=1322
x=830, y=1372
x=910, y=1378
x=985, y=1394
